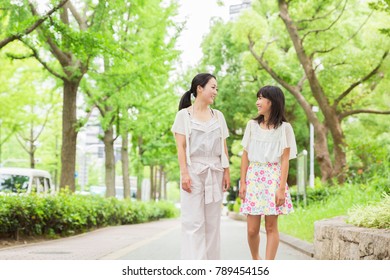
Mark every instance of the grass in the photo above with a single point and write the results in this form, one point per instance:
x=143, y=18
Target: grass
x=301, y=223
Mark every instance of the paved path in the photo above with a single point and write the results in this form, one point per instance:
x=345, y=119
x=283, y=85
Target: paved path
x=150, y=241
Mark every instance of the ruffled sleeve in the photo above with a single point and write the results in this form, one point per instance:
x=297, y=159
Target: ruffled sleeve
x=179, y=123
x=247, y=135
x=288, y=140
x=225, y=130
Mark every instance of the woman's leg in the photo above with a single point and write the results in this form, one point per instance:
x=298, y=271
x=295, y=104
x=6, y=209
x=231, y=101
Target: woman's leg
x=212, y=228
x=193, y=241
x=271, y=227
x=253, y=228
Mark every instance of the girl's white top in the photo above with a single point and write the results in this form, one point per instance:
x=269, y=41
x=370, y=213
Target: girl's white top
x=265, y=145
x=182, y=125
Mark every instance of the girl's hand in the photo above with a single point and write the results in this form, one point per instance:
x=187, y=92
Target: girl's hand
x=186, y=182
x=226, y=180
x=280, y=198
x=242, y=192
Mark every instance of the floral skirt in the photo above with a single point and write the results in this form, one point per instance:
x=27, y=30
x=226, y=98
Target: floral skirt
x=262, y=181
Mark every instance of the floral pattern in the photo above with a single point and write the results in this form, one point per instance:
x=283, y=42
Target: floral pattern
x=262, y=181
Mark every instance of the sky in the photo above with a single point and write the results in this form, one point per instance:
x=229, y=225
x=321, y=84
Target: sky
x=198, y=14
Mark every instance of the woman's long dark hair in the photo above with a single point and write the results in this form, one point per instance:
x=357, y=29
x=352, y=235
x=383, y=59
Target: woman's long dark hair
x=276, y=96
x=199, y=80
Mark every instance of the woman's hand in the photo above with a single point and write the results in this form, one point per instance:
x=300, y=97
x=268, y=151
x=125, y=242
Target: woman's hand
x=280, y=198
x=226, y=179
x=186, y=182
x=242, y=191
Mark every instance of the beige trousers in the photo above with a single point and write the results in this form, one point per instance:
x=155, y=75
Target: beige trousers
x=201, y=210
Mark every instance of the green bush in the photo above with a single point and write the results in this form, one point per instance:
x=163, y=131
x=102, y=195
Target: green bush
x=375, y=215
x=230, y=205
x=237, y=205
x=65, y=214
x=313, y=195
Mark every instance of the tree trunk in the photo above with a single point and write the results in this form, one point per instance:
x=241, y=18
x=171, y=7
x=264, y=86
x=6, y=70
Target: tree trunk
x=32, y=148
x=331, y=120
x=140, y=169
x=340, y=156
x=108, y=140
x=160, y=185
x=152, y=192
x=165, y=187
x=69, y=135
x=322, y=152
x=125, y=165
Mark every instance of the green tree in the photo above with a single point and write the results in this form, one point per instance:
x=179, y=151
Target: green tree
x=24, y=25
x=65, y=46
x=129, y=81
x=314, y=50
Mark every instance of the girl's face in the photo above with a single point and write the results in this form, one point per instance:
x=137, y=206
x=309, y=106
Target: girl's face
x=209, y=92
x=263, y=105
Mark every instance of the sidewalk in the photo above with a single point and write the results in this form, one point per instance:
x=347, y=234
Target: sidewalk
x=154, y=241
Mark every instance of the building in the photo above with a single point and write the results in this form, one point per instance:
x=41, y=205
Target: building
x=235, y=10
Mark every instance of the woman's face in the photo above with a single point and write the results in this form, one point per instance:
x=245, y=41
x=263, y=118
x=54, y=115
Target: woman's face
x=209, y=92
x=263, y=105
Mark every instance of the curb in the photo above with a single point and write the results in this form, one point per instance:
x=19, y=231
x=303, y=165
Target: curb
x=298, y=244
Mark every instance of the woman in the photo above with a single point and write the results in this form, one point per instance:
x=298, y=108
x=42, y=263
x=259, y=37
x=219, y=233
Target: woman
x=200, y=134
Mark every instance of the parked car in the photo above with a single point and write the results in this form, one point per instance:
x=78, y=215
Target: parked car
x=25, y=181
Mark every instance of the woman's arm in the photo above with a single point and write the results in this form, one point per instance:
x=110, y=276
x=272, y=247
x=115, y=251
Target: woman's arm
x=181, y=154
x=244, y=168
x=226, y=171
x=280, y=193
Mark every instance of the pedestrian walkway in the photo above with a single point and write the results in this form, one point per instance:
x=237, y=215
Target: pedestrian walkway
x=150, y=241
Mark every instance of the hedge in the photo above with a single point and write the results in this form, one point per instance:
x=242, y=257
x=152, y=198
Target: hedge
x=66, y=214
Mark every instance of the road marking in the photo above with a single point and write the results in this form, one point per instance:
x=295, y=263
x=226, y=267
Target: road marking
x=123, y=252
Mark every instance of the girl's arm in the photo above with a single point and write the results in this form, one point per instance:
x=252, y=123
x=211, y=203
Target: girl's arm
x=181, y=154
x=226, y=172
x=244, y=168
x=280, y=193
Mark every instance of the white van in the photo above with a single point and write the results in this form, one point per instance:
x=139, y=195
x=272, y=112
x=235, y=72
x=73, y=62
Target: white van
x=25, y=181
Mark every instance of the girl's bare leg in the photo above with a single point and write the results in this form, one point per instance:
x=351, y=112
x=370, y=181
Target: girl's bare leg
x=253, y=228
x=271, y=227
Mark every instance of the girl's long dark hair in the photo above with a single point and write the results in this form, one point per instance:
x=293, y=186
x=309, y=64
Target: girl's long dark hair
x=276, y=96
x=199, y=80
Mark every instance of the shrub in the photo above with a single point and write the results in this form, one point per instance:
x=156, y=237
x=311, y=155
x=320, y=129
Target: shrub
x=66, y=214
x=237, y=205
x=374, y=215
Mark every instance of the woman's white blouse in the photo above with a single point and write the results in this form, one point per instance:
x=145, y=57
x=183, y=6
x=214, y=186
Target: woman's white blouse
x=265, y=145
x=182, y=125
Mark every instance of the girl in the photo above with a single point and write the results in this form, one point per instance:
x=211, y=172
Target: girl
x=200, y=134
x=269, y=144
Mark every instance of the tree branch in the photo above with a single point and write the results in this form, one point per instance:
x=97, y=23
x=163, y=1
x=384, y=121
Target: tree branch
x=30, y=29
x=44, y=64
x=300, y=83
x=20, y=142
x=368, y=76
x=82, y=22
x=294, y=90
x=321, y=17
x=343, y=43
x=329, y=27
x=44, y=124
x=362, y=111
x=62, y=58
x=265, y=65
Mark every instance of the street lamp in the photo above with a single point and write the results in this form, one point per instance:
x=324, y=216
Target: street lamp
x=311, y=175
